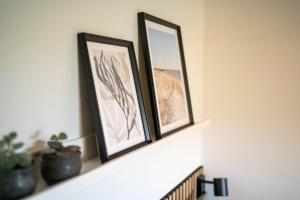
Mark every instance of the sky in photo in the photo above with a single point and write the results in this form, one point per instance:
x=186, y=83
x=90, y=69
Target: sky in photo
x=164, y=50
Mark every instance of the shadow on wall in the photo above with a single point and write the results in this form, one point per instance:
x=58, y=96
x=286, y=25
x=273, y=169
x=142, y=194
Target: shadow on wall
x=87, y=127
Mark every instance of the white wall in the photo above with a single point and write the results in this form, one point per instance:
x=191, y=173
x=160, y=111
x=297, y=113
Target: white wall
x=41, y=88
x=251, y=79
x=40, y=79
x=252, y=94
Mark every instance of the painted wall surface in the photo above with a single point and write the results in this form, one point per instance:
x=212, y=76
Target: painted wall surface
x=252, y=94
x=40, y=81
x=42, y=88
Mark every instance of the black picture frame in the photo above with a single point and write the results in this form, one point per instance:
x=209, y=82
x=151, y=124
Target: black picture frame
x=85, y=61
x=143, y=37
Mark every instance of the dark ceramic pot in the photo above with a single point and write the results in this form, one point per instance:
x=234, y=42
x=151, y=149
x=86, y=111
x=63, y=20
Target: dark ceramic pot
x=17, y=183
x=58, y=167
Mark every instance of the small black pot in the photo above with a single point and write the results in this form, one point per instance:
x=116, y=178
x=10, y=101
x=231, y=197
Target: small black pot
x=58, y=167
x=17, y=183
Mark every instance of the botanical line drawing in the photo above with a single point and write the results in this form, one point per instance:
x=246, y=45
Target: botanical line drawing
x=108, y=74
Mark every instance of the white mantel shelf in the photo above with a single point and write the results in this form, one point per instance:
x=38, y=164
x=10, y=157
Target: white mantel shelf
x=147, y=173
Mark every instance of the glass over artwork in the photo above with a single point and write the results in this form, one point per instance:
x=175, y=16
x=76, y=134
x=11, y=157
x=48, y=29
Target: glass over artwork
x=121, y=121
x=167, y=76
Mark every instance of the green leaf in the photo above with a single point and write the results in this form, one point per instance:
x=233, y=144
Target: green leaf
x=2, y=144
x=7, y=140
x=25, y=160
x=12, y=135
x=62, y=136
x=18, y=145
x=2, y=155
x=8, y=161
x=55, y=145
x=54, y=138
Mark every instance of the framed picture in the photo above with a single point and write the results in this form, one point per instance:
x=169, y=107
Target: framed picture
x=116, y=98
x=166, y=73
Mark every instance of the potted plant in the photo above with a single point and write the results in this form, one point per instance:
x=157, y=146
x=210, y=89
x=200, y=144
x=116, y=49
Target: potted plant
x=60, y=162
x=17, y=171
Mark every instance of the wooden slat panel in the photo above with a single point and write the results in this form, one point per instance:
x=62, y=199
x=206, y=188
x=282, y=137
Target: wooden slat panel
x=174, y=196
x=195, y=187
x=191, y=186
x=187, y=190
x=179, y=191
x=190, y=189
x=170, y=197
x=184, y=191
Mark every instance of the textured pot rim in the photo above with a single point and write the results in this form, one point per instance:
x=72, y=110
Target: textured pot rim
x=62, y=156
